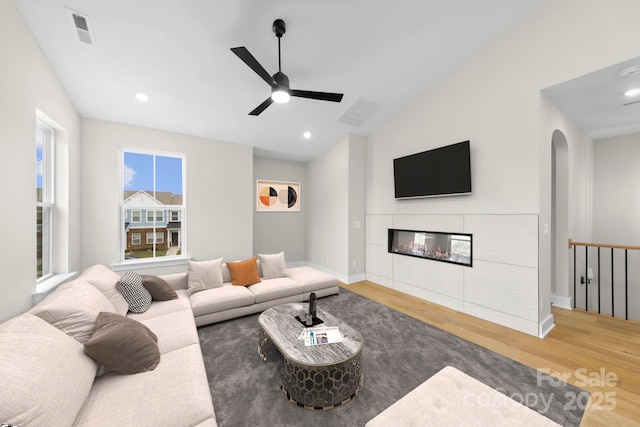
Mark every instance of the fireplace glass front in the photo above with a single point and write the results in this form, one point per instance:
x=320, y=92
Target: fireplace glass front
x=455, y=248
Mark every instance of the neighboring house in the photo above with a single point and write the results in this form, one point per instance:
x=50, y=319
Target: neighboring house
x=149, y=220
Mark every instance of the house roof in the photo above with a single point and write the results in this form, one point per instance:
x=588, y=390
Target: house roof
x=161, y=197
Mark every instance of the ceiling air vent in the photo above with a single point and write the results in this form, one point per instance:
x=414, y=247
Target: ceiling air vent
x=81, y=27
x=359, y=111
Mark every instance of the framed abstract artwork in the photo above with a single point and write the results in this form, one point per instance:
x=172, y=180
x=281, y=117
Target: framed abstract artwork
x=277, y=196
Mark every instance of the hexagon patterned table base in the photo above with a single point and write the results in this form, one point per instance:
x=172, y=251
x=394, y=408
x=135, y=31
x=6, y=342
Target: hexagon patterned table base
x=322, y=387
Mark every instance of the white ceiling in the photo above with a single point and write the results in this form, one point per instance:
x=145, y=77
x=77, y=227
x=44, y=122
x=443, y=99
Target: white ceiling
x=596, y=101
x=178, y=53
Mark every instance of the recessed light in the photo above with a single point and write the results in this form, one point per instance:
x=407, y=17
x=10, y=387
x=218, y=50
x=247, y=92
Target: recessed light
x=632, y=92
x=142, y=97
x=307, y=135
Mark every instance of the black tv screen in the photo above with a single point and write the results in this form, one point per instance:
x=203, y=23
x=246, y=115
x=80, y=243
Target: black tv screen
x=439, y=172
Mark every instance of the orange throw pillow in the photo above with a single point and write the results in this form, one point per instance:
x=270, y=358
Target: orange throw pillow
x=244, y=273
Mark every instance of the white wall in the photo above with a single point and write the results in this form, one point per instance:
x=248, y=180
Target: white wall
x=616, y=209
x=356, y=217
x=219, y=195
x=616, y=191
x=280, y=231
x=494, y=100
x=27, y=83
x=334, y=201
x=327, y=205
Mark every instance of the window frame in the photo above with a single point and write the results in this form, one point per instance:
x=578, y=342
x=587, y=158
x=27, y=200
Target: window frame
x=158, y=209
x=47, y=204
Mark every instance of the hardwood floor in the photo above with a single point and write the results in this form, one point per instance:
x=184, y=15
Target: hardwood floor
x=597, y=353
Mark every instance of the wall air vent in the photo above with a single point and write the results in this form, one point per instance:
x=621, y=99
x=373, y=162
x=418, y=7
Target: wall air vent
x=81, y=27
x=359, y=111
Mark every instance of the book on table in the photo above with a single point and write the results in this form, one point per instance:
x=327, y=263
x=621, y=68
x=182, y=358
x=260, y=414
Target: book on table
x=321, y=335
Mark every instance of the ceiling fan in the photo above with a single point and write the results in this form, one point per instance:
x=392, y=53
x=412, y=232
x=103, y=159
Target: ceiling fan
x=279, y=82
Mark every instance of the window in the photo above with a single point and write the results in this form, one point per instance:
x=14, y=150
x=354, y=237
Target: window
x=136, y=239
x=159, y=237
x=159, y=216
x=44, y=200
x=153, y=189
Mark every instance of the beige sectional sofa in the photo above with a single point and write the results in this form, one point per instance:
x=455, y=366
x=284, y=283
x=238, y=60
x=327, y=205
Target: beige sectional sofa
x=49, y=379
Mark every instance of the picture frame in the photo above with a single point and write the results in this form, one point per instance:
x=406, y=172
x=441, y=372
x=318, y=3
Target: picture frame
x=277, y=196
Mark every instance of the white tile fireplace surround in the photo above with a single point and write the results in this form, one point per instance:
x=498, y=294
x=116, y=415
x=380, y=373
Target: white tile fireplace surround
x=502, y=285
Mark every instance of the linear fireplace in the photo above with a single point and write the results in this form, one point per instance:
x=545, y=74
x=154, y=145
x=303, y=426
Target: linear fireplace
x=454, y=248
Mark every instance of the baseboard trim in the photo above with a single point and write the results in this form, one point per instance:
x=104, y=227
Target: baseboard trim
x=546, y=326
x=565, y=303
x=354, y=278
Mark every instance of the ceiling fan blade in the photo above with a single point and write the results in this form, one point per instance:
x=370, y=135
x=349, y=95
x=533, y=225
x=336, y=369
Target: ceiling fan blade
x=253, y=63
x=322, y=96
x=260, y=108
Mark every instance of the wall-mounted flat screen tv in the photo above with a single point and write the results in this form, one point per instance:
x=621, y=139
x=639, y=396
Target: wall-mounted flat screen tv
x=443, y=171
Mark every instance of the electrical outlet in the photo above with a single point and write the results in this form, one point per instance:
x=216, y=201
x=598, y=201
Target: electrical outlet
x=542, y=303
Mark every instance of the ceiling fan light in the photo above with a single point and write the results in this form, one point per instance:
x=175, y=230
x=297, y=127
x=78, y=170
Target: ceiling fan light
x=280, y=96
x=632, y=92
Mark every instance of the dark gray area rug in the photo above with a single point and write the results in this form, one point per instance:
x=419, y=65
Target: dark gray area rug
x=400, y=353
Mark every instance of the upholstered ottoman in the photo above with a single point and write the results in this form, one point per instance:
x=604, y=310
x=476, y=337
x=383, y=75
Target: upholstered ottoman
x=452, y=398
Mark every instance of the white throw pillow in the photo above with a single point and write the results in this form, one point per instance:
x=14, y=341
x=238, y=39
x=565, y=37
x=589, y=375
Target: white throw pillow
x=272, y=265
x=204, y=275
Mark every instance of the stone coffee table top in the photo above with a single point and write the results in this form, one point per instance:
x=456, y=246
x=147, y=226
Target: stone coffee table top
x=283, y=329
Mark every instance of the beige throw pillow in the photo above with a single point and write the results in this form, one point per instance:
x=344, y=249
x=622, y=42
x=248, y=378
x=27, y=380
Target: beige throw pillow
x=73, y=308
x=204, y=275
x=46, y=377
x=105, y=281
x=272, y=265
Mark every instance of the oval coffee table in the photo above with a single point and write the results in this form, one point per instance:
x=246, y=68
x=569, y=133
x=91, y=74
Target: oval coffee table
x=314, y=377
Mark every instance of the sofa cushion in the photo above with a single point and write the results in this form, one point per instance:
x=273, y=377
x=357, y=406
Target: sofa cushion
x=274, y=289
x=224, y=298
x=244, y=273
x=73, y=308
x=131, y=288
x=204, y=275
x=159, y=289
x=123, y=345
x=272, y=265
x=312, y=279
x=174, y=330
x=105, y=281
x=176, y=393
x=45, y=376
x=160, y=308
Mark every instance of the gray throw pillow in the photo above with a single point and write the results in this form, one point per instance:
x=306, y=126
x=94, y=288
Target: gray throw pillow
x=123, y=345
x=134, y=292
x=159, y=289
x=272, y=265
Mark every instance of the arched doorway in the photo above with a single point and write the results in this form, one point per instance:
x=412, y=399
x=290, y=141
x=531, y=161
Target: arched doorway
x=560, y=277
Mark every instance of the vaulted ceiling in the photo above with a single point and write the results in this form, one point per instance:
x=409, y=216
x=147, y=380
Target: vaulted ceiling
x=381, y=54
